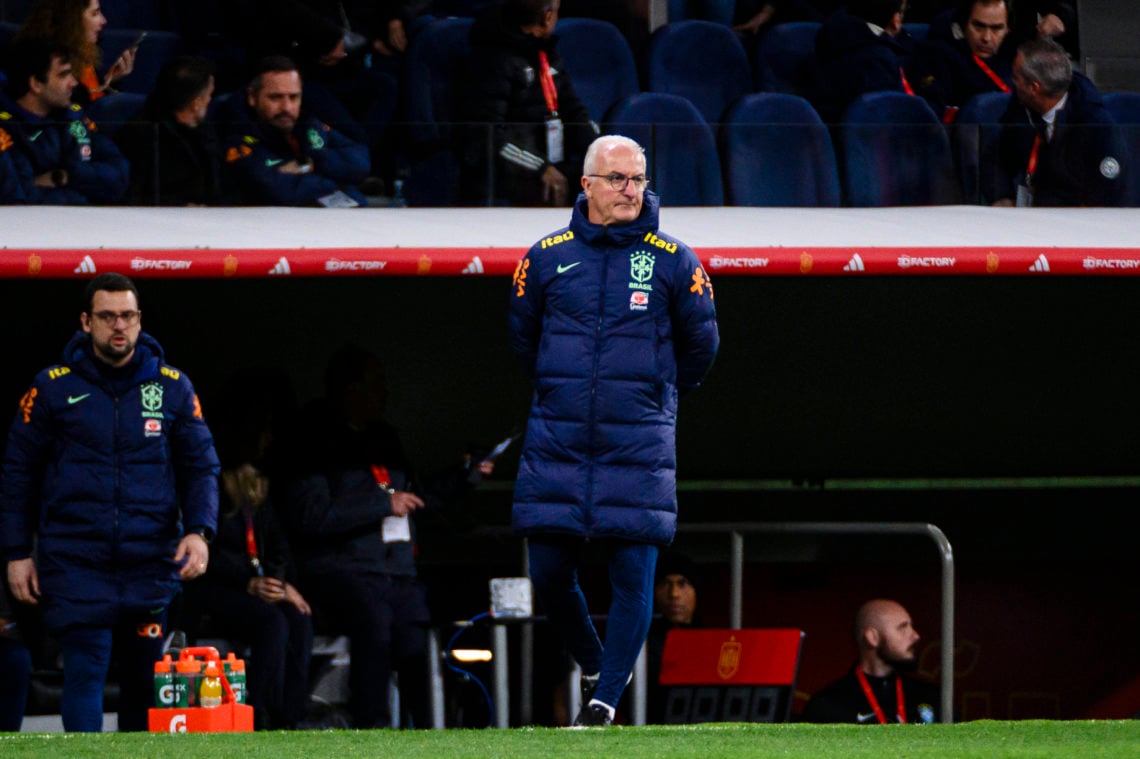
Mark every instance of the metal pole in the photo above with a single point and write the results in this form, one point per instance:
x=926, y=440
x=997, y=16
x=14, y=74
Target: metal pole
x=502, y=696
x=736, y=587
x=526, y=674
x=639, y=687
x=435, y=675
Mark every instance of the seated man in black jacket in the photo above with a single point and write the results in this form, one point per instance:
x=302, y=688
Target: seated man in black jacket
x=173, y=150
x=518, y=87
x=874, y=692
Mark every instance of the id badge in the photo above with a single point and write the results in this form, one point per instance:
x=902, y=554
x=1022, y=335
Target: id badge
x=396, y=529
x=1024, y=196
x=554, y=140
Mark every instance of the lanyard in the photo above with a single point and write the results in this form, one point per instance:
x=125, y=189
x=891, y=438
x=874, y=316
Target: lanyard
x=905, y=84
x=251, y=543
x=997, y=80
x=874, y=702
x=549, y=91
x=1031, y=167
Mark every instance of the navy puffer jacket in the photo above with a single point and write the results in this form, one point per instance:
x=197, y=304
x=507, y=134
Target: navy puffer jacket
x=612, y=321
x=106, y=471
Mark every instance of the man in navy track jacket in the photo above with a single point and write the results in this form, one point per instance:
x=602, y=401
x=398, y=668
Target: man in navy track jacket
x=108, y=500
x=613, y=319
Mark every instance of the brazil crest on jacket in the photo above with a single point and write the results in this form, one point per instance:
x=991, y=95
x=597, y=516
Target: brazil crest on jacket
x=612, y=322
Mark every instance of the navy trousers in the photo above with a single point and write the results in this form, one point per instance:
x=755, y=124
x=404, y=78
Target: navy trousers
x=554, y=563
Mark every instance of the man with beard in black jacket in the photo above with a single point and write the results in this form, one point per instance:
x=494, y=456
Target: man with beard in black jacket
x=173, y=151
x=517, y=88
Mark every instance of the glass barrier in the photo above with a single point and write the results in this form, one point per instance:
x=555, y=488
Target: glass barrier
x=400, y=164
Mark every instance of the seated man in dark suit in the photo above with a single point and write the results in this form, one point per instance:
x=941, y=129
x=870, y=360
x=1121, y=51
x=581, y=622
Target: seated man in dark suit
x=1059, y=145
x=969, y=52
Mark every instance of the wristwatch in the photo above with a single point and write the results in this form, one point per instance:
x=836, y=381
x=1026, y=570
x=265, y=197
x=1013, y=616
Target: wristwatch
x=205, y=533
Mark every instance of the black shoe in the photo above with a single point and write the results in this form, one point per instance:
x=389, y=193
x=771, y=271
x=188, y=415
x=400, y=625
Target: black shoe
x=594, y=715
x=588, y=683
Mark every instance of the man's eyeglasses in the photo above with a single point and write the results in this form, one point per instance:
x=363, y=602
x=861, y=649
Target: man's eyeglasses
x=110, y=318
x=618, y=182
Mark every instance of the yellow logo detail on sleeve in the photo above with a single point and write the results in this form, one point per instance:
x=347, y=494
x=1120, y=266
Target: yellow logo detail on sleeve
x=58, y=372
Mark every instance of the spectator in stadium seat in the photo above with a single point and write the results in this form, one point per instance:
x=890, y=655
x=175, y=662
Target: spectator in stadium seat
x=280, y=156
x=862, y=49
x=58, y=152
x=675, y=594
x=613, y=320
x=173, y=151
x=875, y=691
x=1058, y=145
x=351, y=500
x=76, y=24
x=971, y=56
x=516, y=84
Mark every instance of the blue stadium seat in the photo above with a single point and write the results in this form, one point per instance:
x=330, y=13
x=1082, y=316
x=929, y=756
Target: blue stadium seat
x=681, y=157
x=155, y=52
x=1125, y=110
x=895, y=152
x=701, y=61
x=975, y=140
x=719, y=11
x=432, y=73
x=918, y=31
x=777, y=152
x=599, y=62
x=110, y=112
x=785, y=57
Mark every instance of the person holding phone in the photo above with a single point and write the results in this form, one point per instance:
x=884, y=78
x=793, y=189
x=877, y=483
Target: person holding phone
x=77, y=24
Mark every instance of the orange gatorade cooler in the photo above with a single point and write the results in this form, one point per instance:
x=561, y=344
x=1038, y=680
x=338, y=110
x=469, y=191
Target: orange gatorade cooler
x=189, y=715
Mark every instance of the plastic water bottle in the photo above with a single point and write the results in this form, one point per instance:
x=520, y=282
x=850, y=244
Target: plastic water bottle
x=164, y=693
x=398, y=199
x=235, y=673
x=186, y=676
x=210, y=691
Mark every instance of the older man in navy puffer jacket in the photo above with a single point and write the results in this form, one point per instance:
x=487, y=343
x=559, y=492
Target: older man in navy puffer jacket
x=613, y=319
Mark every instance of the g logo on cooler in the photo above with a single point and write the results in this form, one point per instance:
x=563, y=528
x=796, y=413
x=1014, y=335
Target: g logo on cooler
x=178, y=723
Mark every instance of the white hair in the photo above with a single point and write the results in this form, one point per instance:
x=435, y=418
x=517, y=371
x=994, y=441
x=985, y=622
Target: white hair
x=608, y=141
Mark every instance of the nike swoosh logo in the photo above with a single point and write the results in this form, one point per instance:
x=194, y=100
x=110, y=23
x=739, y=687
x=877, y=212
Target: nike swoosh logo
x=34, y=137
x=563, y=269
x=864, y=717
x=274, y=161
x=76, y=398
